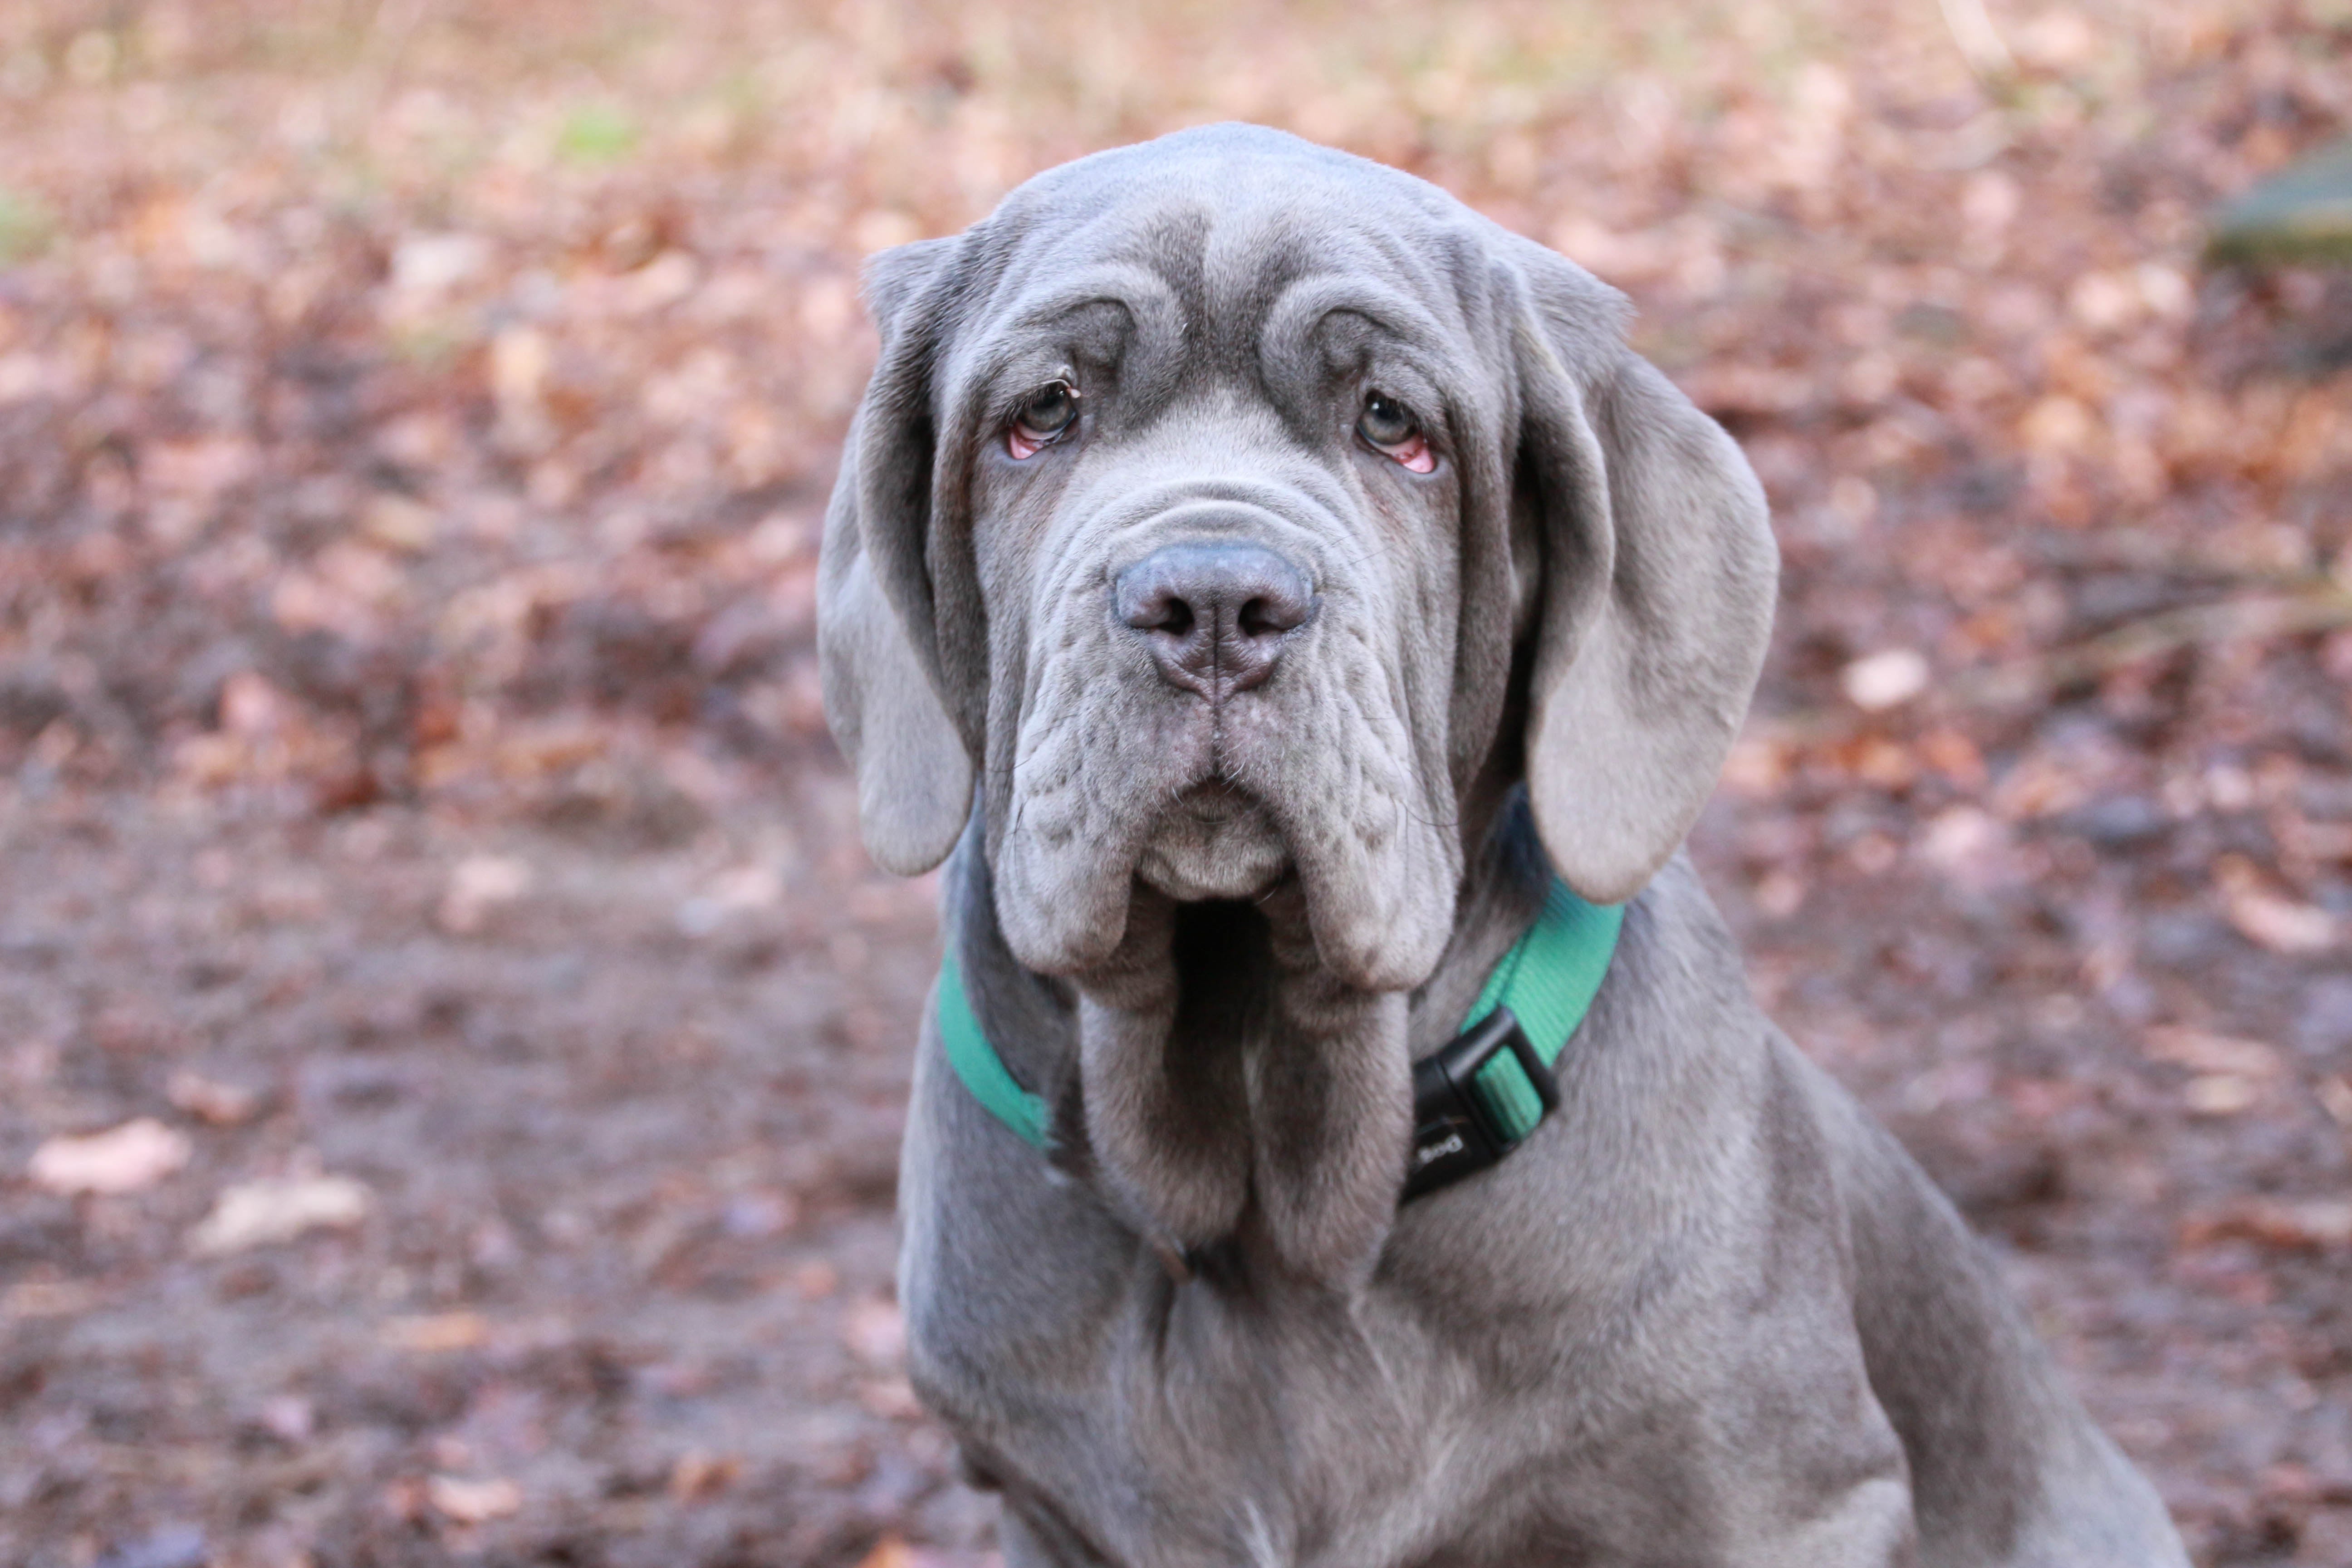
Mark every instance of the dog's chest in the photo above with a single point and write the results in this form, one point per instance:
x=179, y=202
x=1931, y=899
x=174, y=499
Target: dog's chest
x=1150, y=1425
x=1609, y=1397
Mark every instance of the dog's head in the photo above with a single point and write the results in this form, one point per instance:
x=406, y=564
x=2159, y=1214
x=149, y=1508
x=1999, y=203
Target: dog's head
x=1237, y=509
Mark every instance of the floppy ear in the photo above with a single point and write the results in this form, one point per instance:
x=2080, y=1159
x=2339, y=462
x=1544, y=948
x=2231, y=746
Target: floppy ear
x=1658, y=580
x=876, y=646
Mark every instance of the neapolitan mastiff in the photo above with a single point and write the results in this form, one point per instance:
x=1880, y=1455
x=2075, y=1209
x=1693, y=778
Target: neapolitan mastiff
x=1266, y=575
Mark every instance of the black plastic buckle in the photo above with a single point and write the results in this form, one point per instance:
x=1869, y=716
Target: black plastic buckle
x=1453, y=1137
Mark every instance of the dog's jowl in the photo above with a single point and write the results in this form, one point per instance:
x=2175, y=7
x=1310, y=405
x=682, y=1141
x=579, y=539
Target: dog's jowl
x=1342, y=1134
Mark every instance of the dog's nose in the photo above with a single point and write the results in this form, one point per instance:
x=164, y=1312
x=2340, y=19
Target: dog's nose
x=1216, y=614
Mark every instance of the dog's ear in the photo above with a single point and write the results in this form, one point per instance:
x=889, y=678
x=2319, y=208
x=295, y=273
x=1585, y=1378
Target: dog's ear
x=877, y=645
x=1658, y=579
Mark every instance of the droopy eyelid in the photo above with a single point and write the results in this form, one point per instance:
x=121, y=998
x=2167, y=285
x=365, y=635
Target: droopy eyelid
x=1011, y=392
x=1045, y=324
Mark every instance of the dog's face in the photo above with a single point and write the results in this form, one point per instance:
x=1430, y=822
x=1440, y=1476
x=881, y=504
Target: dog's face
x=1219, y=498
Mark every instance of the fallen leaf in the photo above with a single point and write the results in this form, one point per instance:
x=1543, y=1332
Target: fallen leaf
x=876, y=1333
x=2299, y=1484
x=892, y=1398
x=2043, y=783
x=1972, y=845
x=222, y=1104
x=261, y=1213
x=1886, y=680
x=437, y=1331
x=2265, y=917
x=2057, y=424
x=432, y=263
x=697, y=1475
x=1960, y=834
x=473, y=1502
x=48, y=1298
x=1756, y=767
x=1955, y=756
x=2210, y=1053
x=1779, y=894
x=478, y=884
x=397, y=523
x=250, y=706
x=2282, y=926
x=138, y=1154
x=2287, y=1224
x=2221, y=1094
x=289, y=1417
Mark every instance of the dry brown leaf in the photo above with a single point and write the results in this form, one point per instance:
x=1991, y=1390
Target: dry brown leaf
x=2221, y=1094
x=699, y=1474
x=2211, y=1053
x=2266, y=918
x=48, y=1298
x=437, y=1331
x=480, y=884
x=2287, y=1224
x=124, y=1159
x=893, y=1398
x=876, y=1332
x=1885, y=679
x=261, y=1213
x=469, y=1501
x=222, y=1104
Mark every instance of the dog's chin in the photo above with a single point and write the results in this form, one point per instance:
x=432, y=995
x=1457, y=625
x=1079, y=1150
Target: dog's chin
x=1213, y=843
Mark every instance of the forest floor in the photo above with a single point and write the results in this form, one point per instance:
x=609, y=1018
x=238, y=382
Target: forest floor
x=422, y=859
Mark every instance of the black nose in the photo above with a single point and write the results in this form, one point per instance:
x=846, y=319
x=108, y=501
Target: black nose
x=1216, y=614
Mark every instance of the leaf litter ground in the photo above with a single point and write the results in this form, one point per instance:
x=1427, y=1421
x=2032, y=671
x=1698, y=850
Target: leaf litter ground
x=454, y=1046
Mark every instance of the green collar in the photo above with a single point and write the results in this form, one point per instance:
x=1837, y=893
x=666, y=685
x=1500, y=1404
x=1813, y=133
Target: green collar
x=1475, y=1100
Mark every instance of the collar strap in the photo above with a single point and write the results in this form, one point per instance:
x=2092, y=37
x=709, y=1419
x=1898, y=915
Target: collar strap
x=1478, y=1097
x=982, y=1070
x=1475, y=1100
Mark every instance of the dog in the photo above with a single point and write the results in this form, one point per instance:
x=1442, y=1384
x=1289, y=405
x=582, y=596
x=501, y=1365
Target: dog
x=1271, y=586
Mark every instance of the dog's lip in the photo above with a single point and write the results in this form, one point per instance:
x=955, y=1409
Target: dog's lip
x=1214, y=841
x=1215, y=801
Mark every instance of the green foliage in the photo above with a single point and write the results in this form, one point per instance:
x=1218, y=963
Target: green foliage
x=596, y=133
x=27, y=226
x=2302, y=213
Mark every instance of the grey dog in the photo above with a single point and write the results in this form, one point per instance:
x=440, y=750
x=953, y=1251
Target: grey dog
x=1262, y=574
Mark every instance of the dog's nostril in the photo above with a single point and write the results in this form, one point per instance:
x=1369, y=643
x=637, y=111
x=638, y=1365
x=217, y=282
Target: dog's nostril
x=1267, y=617
x=1145, y=600
x=1169, y=614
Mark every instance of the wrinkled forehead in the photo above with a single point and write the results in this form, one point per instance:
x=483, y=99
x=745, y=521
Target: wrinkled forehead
x=1230, y=241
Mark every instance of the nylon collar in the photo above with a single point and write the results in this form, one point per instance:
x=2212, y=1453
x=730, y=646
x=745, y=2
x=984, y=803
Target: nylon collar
x=1474, y=1099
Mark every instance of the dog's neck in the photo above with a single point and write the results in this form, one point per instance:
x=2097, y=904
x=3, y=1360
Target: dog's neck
x=1214, y=1084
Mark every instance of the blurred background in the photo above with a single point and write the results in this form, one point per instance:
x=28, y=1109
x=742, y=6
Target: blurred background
x=452, y=1045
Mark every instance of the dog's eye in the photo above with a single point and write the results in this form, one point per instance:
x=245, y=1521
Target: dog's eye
x=1387, y=422
x=1051, y=410
x=1388, y=426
